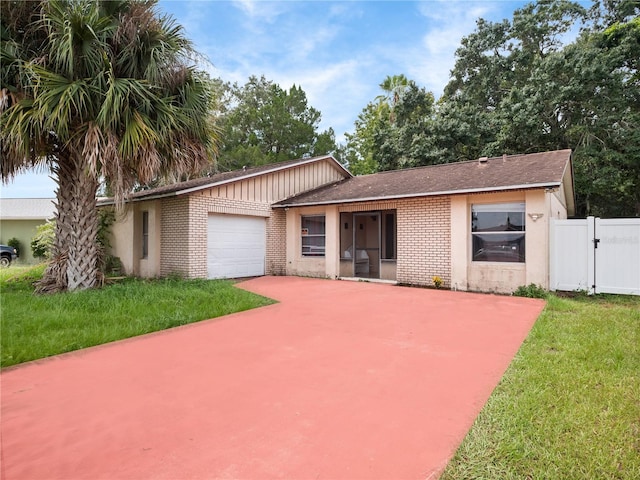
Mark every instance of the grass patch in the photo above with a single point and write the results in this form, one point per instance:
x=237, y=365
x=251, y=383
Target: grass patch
x=26, y=274
x=569, y=405
x=34, y=326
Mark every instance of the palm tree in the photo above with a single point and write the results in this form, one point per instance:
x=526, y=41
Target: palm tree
x=97, y=90
x=393, y=87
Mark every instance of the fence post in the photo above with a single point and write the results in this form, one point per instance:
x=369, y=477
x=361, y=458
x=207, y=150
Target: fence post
x=553, y=263
x=591, y=255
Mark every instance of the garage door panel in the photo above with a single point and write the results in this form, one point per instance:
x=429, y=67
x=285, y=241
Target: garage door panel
x=236, y=246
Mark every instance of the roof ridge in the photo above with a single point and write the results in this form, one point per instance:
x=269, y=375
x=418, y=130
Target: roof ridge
x=219, y=178
x=522, y=171
x=488, y=159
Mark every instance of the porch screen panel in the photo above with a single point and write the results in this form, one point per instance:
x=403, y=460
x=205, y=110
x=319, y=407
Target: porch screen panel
x=498, y=232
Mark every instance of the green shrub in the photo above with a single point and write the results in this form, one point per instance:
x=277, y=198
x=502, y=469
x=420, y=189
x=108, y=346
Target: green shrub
x=113, y=266
x=106, y=218
x=42, y=242
x=15, y=243
x=531, y=291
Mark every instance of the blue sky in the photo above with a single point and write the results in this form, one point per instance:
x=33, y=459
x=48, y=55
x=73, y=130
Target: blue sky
x=338, y=52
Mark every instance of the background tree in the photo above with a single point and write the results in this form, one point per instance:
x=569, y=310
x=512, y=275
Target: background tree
x=515, y=88
x=261, y=123
x=361, y=149
x=97, y=89
x=393, y=87
x=15, y=243
x=407, y=141
x=393, y=131
x=42, y=241
x=527, y=92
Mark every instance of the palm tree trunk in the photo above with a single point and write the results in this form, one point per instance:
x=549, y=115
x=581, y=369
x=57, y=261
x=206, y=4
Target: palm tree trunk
x=54, y=279
x=82, y=263
x=74, y=257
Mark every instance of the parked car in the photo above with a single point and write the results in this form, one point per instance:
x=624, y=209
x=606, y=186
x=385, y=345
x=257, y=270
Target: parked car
x=7, y=255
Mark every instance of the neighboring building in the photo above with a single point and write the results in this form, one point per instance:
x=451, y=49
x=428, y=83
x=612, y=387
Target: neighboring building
x=481, y=225
x=19, y=218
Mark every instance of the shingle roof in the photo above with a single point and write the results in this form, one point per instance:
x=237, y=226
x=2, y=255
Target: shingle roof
x=512, y=172
x=224, y=177
x=27, y=208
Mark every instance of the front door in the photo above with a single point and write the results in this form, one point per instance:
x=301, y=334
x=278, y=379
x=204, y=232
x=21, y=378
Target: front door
x=366, y=241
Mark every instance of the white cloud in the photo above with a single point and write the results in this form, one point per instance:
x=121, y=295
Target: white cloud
x=337, y=90
x=447, y=23
x=247, y=5
x=259, y=11
x=345, y=10
x=306, y=43
x=338, y=52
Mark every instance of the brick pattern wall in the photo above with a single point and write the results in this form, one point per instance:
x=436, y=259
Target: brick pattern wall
x=174, y=236
x=277, y=243
x=198, y=225
x=183, y=244
x=424, y=246
x=184, y=231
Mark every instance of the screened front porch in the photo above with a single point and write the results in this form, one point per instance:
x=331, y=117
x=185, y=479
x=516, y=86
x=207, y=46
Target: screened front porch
x=368, y=246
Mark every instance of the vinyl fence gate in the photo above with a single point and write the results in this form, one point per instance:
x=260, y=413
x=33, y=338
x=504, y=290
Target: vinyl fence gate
x=595, y=255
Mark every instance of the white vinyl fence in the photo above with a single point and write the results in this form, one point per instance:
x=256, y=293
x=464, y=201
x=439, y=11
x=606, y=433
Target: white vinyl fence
x=595, y=255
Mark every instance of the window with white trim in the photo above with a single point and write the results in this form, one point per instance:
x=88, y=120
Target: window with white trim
x=313, y=235
x=498, y=232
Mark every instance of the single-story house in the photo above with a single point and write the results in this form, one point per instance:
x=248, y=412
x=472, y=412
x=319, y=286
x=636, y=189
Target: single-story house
x=479, y=225
x=20, y=217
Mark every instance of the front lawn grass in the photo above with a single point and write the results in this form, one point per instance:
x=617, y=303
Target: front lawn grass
x=37, y=326
x=568, y=407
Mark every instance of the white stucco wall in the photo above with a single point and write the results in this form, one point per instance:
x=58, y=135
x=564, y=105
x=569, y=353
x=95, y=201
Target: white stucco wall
x=24, y=231
x=126, y=239
x=460, y=249
x=121, y=235
x=502, y=277
x=537, y=237
x=309, y=266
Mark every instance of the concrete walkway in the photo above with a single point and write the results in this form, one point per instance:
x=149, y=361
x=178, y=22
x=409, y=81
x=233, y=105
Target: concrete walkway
x=341, y=380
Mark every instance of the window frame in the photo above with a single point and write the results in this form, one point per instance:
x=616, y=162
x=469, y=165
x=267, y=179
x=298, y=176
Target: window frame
x=390, y=242
x=304, y=235
x=145, y=234
x=509, y=243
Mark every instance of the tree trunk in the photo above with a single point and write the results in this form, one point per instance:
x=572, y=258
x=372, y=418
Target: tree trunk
x=54, y=279
x=82, y=262
x=74, y=257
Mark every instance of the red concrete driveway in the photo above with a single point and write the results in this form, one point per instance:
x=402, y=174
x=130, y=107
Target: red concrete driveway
x=341, y=380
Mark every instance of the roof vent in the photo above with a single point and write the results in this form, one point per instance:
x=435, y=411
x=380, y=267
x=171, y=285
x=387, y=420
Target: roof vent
x=504, y=158
x=483, y=159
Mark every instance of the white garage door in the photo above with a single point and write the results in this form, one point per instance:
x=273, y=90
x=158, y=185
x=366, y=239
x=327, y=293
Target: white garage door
x=236, y=246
